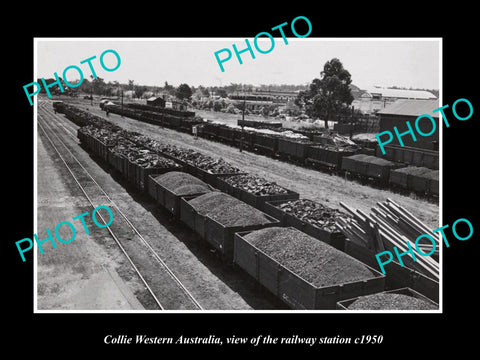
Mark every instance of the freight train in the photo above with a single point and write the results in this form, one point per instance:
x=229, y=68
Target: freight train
x=402, y=169
x=216, y=201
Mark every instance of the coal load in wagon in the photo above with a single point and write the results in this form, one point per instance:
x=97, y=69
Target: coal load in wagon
x=256, y=185
x=202, y=166
x=169, y=188
x=313, y=213
x=143, y=162
x=254, y=190
x=98, y=141
x=304, y=272
x=227, y=210
x=318, y=263
x=181, y=183
x=313, y=218
x=148, y=159
x=215, y=166
x=217, y=217
x=390, y=301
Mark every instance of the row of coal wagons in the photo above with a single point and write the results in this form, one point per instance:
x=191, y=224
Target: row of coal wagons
x=302, y=150
x=178, y=120
x=134, y=163
x=401, y=175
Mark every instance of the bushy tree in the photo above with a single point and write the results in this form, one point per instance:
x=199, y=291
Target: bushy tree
x=183, y=92
x=330, y=95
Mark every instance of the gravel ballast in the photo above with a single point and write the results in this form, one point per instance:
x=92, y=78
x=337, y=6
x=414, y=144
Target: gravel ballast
x=314, y=261
x=228, y=210
x=390, y=301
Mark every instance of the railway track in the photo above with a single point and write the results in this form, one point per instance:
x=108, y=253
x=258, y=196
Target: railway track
x=165, y=288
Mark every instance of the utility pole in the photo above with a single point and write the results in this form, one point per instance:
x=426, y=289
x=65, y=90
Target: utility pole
x=243, y=118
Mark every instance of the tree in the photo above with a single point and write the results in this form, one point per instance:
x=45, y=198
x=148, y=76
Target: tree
x=205, y=91
x=169, y=88
x=183, y=92
x=98, y=85
x=139, y=90
x=217, y=105
x=330, y=95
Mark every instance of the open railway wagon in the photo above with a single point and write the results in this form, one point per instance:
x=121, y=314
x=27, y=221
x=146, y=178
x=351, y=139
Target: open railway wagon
x=301, y=271
x=328, y=156
x=254, y=190
x=187, y=124
x=369, y=167
x=204, y=167
x=390, y=225
x=160, y=110
x=265, y=143
x=79, y=116
x=209, y=130
x=398, y=299
x=97, y=141
x=58, y=106
x=294, y=149
x=142, y=165
x=216, y=217
x=421, y=180
x=169, y=188
x=244, y=139
x=313, y=218
x=136, y=170
x=211, y=170
x=175, y=119
x=227, y=135
x=411, y=156
x=135, y=163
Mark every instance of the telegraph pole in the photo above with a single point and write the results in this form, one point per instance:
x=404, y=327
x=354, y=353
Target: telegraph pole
x=243, y=124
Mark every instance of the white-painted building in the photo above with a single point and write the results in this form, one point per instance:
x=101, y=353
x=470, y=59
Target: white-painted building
x=375, y=98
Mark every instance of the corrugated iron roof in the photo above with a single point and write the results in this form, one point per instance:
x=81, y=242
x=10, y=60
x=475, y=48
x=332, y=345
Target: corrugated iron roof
x=401, y=93
x=152, y=98
x=408, y=107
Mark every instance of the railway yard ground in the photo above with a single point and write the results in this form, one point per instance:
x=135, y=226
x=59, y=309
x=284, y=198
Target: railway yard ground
x=93, y=273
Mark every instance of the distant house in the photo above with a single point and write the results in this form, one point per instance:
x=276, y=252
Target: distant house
x=156, y=101
x=374, y=99
x=403, y=110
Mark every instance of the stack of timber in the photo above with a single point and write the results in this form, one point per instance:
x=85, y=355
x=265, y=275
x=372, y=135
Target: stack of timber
x=392, y=225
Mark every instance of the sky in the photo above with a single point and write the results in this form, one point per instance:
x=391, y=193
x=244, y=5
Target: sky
x=406, y=62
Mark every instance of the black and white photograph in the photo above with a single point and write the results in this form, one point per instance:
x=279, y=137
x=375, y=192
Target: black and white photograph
x=258, y=188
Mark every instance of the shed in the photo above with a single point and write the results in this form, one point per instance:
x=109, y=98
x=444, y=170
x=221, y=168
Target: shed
x=156, y=101
x=403, y=110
